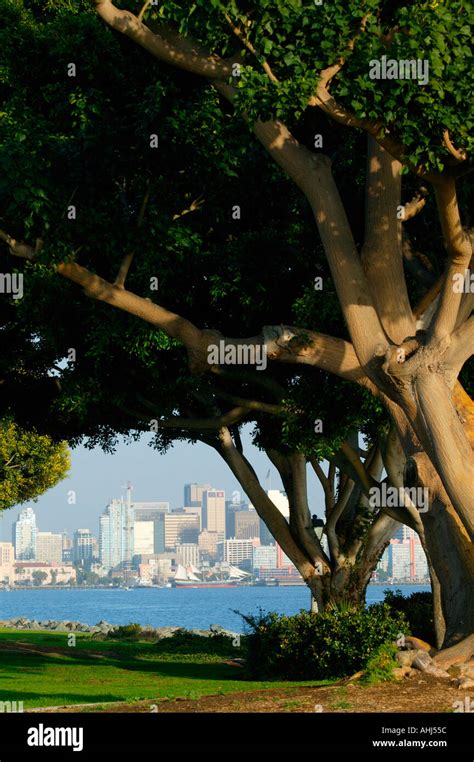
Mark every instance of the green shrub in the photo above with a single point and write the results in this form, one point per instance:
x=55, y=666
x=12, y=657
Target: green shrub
x=380, y=666
x=335, y=643
x=184, y=642
x=418, y=611
x=126, y=632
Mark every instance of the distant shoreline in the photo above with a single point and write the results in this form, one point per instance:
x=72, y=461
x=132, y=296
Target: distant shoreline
x=418, y=583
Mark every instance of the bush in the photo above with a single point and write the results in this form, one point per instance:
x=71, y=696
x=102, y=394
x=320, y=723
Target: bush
x=418, y=611
x=126, y=632
x=184, y=642
x=335, y=643
x=380, y=666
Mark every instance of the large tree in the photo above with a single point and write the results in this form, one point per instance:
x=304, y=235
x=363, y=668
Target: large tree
x=307, y=65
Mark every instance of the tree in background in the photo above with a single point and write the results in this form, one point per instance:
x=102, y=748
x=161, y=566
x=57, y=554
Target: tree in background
x=30, y=464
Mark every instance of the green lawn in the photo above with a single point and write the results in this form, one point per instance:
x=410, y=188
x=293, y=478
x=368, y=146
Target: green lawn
x=119, y=672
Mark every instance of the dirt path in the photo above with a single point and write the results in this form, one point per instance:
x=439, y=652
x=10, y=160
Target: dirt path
x=419, y=694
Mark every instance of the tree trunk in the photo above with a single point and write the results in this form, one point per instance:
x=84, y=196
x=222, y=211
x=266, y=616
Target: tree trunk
x=451, y=554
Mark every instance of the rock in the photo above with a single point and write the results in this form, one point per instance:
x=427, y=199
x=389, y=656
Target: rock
x=405, y=658
x=400, y=673
x=465, y=683
x=415, y=644
x=421, y=659
x=424, y=662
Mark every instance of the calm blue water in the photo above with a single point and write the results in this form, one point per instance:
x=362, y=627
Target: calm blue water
x=164, y=607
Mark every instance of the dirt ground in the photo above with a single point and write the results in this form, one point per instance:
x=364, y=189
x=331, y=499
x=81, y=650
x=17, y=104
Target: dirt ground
x=418, y=694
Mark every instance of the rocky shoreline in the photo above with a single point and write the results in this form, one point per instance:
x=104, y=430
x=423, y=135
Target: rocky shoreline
x=104, y=628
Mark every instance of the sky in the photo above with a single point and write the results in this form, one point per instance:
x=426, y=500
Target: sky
x=96, y=477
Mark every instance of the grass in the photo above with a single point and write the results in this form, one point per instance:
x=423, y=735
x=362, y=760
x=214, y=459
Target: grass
x=101, y=671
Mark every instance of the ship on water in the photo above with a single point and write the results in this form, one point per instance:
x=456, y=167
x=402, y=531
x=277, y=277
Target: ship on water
x=191, y=576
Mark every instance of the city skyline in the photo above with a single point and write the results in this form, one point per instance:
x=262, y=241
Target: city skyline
x=98, y=477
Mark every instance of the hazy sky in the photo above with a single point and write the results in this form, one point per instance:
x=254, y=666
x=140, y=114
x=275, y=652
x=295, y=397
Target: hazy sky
x=97, y=477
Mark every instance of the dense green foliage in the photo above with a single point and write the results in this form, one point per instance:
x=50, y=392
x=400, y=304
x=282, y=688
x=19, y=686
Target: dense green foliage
x=85, y=140
x=380, y=666
x=235, y=275
x=300, y=38
x=334, y=643
x=30, y=463
x=417, y=609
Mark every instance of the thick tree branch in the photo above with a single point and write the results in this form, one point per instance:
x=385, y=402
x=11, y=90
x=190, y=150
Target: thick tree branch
x=459, y=246
x=382, y=252
x=182, y=56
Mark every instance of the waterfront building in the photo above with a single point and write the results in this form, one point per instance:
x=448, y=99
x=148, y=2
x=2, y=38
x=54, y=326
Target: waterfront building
x=264, y=557
x=283, y=562
x=406, y=559
x=41, y=573
x=235, y=551
x=7, y=560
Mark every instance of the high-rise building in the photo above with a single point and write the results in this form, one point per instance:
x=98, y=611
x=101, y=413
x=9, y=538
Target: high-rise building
x=193, y=494
x=235, y=551
x=84, y=546
x=207, y=542
x=49, y=547
x=188, y=553
x=280, y=500
x=194, y=510
x=117, y=534
x=247, y=525
x=144, y=537
x=67, y=548
x=148, y=511
x=24, y=533
x=264, y=557
x=155, y=513
x=283, y=562
x=232, y=507
x=213, y=512
x=406, y=559
x=7, y=561
x=180, y=527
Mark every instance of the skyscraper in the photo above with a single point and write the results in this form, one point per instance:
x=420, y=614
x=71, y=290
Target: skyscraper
x=24, y=534
x=281, y=502
x=84, y=545
x=193, y=494
x=213, y=512
x=49, y=547
x=117, y=534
